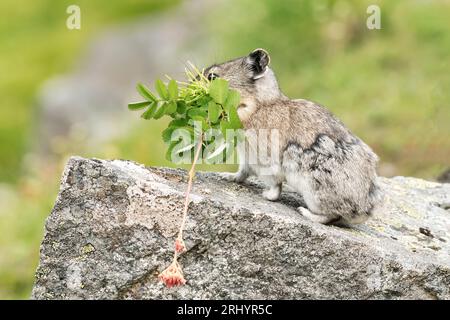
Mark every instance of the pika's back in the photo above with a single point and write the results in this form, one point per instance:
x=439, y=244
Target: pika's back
x=298, y=121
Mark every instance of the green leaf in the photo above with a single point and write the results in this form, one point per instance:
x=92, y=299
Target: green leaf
x=218, y=90
x=196, y=129
x=178, y=123
x=179, y=146
x=160, y=112
x=233, y=100
x=204, y=100
x=197, y=112
x=171, y=107
x=148, y=114
x=170, y=149
x=173, y=89
x=202, y=120
x=161, y=89
x=190, y=130
x=186, y=133
x=213, y=111
x=234, y=120
x=181, y=107
x=145, y=92
x=138, y=105
x=167, y=134
x=224, y=125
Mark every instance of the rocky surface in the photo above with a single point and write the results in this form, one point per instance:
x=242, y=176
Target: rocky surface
x=112, y=229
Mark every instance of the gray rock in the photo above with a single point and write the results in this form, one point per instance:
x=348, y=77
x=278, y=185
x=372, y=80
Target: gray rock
x=113, y=225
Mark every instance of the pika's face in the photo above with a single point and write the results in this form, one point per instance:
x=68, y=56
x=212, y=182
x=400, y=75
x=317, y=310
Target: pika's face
x=251, y=76
x=241, y=73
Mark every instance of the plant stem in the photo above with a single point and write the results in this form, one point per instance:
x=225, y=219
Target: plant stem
x=188, y=192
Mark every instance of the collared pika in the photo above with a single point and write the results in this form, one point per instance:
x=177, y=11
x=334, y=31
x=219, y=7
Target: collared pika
x=333, y=170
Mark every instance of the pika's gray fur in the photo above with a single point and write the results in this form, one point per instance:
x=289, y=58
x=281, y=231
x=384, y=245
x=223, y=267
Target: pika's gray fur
x=319, y=157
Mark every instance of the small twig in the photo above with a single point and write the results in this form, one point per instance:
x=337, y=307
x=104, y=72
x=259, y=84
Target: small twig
x=188, y=192
x=173, y=274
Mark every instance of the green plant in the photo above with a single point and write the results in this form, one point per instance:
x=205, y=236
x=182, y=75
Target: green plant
x=196, y=106
x=203, y=112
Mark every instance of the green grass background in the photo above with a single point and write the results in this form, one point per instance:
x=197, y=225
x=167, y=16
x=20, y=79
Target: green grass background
x=390, y=86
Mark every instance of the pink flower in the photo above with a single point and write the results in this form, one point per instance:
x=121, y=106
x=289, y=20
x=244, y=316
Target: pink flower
x=180, y=246
x=172, y=275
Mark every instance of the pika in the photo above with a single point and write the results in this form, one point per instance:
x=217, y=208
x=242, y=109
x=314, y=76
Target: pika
x=333, y=170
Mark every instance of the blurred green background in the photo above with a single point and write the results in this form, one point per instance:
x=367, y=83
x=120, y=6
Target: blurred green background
x=390, y=86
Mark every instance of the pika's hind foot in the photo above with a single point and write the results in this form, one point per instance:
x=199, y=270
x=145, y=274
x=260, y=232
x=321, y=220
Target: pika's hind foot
x=317, y=217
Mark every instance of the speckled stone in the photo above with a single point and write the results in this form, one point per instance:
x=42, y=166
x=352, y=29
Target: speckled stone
x=113, y=225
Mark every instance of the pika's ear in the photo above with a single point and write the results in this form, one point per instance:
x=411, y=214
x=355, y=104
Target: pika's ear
x=258, y=60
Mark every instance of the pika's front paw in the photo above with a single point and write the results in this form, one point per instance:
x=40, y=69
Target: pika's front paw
x=227, y=176
x=232, y=177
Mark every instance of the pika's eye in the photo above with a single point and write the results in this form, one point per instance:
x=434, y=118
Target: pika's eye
x=212, y=76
